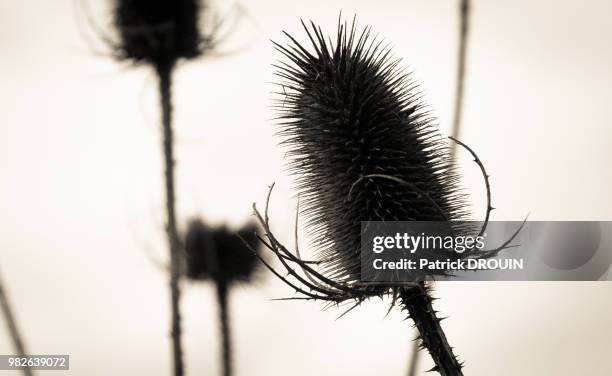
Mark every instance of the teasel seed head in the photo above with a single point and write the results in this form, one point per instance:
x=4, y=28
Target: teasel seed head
x=364, y=148
x=361, y=143
x=220, y=254
x=158, y=31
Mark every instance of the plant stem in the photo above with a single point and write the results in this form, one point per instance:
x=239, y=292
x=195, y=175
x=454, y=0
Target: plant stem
x=414, y=359
x=418, y=303
x=164, y=72
x=222, y=294
x=464, y=11
x=11, y=323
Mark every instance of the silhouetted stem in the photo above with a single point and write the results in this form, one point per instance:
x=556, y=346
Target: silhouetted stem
x=414, y=359
x=464, y=11
x=222, y=295
x=164, y=72
x=11, y=324
x=418, y=303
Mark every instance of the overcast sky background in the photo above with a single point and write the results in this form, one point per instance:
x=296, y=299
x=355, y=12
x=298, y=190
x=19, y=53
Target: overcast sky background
x=81, y=194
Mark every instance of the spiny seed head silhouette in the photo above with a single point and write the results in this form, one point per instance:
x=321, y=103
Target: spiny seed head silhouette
x=360, y=142
x=219, y=254
x=158, y=31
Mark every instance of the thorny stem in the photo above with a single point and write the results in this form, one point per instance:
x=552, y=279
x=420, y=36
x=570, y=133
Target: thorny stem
x=464, y=10
x=418, y=303
x=164, y=72
x=222, y=295
x=11, y=323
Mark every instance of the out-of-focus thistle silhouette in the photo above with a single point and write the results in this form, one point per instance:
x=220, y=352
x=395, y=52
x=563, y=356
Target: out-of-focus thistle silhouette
x=363, y=149
x=11, y=324
x=158, y=33
x=225, y=258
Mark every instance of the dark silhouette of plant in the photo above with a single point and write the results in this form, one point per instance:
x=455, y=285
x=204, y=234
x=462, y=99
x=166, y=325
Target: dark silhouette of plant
x=464, y=27
x=12, y=327
x=363, y=149
x=225, y=258
x=413, y=364
x=159, y=33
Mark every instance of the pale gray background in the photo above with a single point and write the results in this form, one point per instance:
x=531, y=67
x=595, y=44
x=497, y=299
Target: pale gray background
x=81, y=192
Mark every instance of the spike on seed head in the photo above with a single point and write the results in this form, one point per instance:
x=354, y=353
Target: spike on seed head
x=356, y=128
x=158, y=31
x=219, y=254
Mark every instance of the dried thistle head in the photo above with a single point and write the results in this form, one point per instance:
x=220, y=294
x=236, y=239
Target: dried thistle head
x=158, y=31
x=362, y=148
x=219, y=254
x=356, y=129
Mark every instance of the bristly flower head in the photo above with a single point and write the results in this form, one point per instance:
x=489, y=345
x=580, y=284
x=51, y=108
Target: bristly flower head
x=363, y=147
x=158, y=31
x=219, y=254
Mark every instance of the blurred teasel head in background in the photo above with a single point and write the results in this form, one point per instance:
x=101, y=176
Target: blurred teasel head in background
x=159, y=31
x=219, y=254
x=225, y=258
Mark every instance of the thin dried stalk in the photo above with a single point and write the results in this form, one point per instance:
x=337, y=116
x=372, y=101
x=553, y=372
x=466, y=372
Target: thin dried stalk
x=464, y=11
x=222, y=296
x=13, y=329
x=164, y=72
